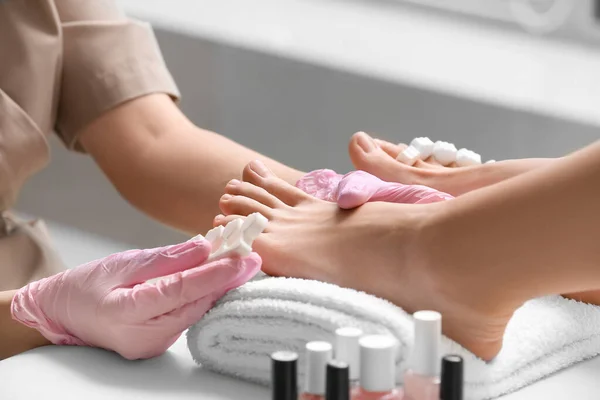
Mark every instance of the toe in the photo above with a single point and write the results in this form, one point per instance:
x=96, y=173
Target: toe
x=258, y=174
x=241, y=205
x=225, y=219
x=246, y=189
x=392, y=149
x=429, y=163
x=367, y=156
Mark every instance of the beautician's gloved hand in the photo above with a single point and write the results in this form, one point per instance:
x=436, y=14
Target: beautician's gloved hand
x=106, y=303
x=357, y=188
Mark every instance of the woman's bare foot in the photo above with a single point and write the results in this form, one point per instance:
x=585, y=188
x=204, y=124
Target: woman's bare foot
x=378, y=158
x=377, y=248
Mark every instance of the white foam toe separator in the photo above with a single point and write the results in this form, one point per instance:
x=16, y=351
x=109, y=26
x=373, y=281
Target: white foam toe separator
x=237, y=236
x=444, y=152
x=234, y=238
x=466, y=157
x=409, y=156
x=424, y=146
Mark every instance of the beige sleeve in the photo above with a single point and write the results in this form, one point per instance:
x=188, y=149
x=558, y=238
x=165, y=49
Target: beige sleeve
x=107, y=60
x=23, y=150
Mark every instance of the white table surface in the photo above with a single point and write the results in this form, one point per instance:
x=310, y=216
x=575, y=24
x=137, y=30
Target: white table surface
x=76, y=372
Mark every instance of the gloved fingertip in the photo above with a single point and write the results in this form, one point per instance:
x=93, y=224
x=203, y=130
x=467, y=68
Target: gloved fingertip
x=248, y=268
x=252, y=261
x=197, y=238
x=253, y=264
x=349, y=198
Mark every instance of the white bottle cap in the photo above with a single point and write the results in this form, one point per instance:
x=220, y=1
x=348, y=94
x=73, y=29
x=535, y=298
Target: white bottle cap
x=318, y=354
x=348, y=350
x=425, y=358
x=378, y=363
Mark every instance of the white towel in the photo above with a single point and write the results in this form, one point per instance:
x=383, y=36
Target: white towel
x=237, y=337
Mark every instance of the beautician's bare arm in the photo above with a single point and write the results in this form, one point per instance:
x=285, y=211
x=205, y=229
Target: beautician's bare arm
x=15, y=338
x=166, y=166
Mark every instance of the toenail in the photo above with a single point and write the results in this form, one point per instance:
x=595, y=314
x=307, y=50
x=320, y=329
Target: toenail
x=233, y=182
x=366, y=142
x=260, y=168
x=226, y=197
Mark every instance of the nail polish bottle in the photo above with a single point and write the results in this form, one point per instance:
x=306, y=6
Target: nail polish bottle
x=284, y=376
x=421, y=380
x=338, y=381
x=318, y=354
x=377, y=369
x=451, y=387
x=348, y=351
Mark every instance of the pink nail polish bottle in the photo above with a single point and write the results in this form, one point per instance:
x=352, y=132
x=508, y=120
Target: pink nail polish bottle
x=318, y=354
x=421, y=380
x=377, y=369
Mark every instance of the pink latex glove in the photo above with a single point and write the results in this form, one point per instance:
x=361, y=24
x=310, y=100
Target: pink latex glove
x=107, y=303
x=359, y=187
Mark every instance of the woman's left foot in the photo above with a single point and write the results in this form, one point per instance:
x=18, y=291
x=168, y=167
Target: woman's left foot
x=378, y=158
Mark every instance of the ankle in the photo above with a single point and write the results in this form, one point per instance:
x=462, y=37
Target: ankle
x=453, y=272
x=403, y=232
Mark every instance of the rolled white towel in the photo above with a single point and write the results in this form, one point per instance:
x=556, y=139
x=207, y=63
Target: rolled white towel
x=269, y=314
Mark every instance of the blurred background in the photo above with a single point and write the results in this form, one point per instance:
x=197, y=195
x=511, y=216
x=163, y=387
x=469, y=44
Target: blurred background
x=294, y=79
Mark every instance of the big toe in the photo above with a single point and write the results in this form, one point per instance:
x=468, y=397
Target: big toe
x=368, y=156
x=258, y=174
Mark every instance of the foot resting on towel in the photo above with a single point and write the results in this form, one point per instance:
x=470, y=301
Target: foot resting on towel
x=313, y=239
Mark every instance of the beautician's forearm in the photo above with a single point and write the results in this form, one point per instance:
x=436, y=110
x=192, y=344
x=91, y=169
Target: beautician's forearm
x=164, y=165
x=15, y=338
x=539, y=230
x=458, y=181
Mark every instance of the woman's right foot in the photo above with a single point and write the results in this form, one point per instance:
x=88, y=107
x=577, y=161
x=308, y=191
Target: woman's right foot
x=377, y=248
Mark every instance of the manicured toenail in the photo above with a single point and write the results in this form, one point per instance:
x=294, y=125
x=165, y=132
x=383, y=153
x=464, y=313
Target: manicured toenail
x=366, y=142
x=233, y=182
x=260, y=168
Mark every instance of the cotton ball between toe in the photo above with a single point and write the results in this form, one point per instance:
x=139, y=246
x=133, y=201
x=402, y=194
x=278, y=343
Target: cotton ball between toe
x=409, y=156
x=465, y=158
x=444, y=152
x=424, y=146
